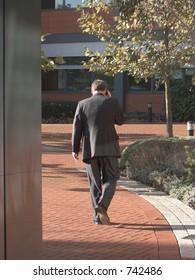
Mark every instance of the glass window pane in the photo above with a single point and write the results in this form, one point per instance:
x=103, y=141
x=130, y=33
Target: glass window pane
x=79, y=80
x=47, y=4
x=140, y=86
x=61, y=80
x=109, y=80
x=74, y=3
x=50, y=81
x=61, y=4
x=78, y=60
x=72, y=80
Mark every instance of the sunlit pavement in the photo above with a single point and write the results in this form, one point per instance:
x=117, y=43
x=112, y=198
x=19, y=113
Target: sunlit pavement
x=145, y=224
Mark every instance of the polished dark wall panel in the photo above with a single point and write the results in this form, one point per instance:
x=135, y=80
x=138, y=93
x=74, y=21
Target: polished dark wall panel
x=2, y=237
x=22, y=85
x=22, y=129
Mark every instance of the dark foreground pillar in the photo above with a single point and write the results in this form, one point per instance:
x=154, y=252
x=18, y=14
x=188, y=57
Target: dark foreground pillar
x=20, y=130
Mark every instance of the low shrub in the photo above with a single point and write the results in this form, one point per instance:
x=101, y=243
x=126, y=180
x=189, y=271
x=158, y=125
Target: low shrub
x=136, y=117
x=141, y=117
x=58, y=112
x=157, y=154
x=167, y=164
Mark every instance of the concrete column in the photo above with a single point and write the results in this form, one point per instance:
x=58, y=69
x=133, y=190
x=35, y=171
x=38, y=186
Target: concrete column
x=119, y=88
x=20, y=130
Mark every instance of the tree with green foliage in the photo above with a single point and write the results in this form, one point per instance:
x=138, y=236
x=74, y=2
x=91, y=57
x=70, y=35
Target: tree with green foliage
x=48, y=64
x=146, y=37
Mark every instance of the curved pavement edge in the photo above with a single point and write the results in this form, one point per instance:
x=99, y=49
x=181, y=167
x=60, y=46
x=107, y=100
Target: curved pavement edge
x=180, y=216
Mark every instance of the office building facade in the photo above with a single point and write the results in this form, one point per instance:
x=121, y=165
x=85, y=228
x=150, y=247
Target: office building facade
x=71, y=81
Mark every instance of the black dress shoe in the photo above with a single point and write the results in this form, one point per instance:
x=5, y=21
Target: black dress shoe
x=97, y=222
x=103, y=214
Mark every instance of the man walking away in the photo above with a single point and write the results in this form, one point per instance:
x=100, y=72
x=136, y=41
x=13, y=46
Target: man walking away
x=94, y=125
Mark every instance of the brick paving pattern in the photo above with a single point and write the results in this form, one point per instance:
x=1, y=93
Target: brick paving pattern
x=138, y=229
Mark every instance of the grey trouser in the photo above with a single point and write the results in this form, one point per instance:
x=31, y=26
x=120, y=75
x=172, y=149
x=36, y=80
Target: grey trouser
x=103, y=173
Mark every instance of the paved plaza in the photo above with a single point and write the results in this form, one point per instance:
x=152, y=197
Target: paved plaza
x=146, y=225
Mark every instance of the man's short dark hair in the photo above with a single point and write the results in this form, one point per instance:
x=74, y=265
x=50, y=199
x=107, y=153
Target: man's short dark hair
x=98, y=85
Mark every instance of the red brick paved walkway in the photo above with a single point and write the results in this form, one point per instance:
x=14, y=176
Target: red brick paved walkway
x=68, y=231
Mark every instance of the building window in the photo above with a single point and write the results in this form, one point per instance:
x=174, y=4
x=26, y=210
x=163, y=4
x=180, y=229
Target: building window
x=73, y=60
x=151, y=85
x=154, y=84
x=62, y=4
x=47, y=4
x=138, y=86
x=189, y=75
x=50, y=81
x=72, y=80
x=62, y=80
x=79, y=80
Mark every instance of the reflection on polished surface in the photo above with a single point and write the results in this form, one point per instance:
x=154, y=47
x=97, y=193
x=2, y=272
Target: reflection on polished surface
x=2, y=251
x=20, y=131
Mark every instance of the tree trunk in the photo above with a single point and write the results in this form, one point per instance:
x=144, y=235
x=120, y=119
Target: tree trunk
x=167, y=85
x=168, y=108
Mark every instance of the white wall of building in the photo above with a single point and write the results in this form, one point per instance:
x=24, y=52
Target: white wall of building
x=71, y=49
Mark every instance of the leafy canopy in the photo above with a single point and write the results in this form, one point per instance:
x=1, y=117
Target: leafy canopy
x=143, y=38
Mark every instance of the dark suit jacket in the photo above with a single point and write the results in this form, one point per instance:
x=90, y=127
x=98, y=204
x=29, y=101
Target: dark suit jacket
x=94, y=123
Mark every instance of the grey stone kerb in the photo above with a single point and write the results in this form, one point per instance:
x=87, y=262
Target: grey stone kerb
x=180, y=216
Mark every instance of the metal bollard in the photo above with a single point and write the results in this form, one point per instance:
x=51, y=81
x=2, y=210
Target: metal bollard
x=190, y=129
x=149, y=111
